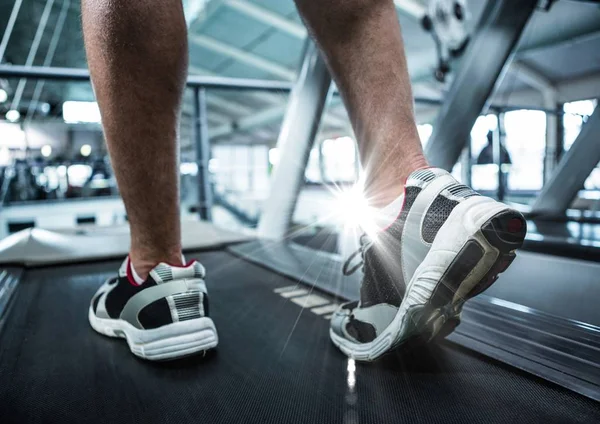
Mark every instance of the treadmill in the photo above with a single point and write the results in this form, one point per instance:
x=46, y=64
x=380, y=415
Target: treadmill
x=271, y=298
x=274, y=363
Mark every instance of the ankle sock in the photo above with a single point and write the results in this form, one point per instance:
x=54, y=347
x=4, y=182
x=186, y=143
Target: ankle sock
x=139, y=280
x=136, y=278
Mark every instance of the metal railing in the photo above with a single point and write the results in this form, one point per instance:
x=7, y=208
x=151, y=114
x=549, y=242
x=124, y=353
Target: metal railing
x=198, y=81
x=199, y=85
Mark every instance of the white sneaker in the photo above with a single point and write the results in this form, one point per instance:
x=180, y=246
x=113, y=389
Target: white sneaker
x=164, y=318
x=447, y=245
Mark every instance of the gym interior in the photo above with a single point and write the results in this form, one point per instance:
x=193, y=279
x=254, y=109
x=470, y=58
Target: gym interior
x=268, y=176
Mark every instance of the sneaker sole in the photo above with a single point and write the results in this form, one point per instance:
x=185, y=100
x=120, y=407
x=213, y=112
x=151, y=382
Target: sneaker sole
x=171, y=341
x=440, y=315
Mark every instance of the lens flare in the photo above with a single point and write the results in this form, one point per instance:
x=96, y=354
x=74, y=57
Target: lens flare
x=353, y=210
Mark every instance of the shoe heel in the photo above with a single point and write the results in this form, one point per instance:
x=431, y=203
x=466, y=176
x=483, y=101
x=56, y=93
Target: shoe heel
x=173, y=341
x=505, y=231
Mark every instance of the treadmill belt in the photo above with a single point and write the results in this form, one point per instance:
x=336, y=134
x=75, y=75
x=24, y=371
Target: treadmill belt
x=274, y=364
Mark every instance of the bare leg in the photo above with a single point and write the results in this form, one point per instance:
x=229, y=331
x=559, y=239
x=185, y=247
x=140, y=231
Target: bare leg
x=137, y=54
x=363, y=47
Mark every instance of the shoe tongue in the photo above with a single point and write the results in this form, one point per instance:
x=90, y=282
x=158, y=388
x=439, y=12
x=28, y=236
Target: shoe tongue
x=163, y=272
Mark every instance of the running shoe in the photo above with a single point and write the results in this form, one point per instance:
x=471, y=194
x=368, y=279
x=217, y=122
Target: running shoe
x=165, y=317
x=447, y=245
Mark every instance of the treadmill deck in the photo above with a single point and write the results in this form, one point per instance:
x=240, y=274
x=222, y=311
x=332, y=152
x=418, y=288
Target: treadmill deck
x=274, y=364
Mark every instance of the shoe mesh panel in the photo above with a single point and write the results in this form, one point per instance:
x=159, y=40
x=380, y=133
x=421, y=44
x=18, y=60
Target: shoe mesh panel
x=438, y=213
x=382, y=281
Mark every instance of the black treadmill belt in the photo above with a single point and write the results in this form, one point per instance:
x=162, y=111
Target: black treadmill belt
x=274, y=364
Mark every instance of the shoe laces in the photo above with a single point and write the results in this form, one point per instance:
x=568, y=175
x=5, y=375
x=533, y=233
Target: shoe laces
x=365, y=244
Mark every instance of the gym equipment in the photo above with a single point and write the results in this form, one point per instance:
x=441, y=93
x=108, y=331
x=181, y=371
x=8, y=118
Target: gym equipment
x=274, y=363
x=446, y=21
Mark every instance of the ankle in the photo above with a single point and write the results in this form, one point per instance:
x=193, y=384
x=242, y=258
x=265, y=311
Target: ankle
x=411, y=164
x=380, y=196
x=142, y=263
x=388, y=184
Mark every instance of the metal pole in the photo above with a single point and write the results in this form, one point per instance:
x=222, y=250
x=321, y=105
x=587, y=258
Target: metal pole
x=466, y=164
x=553, y=144
x=497, y=153
x=39, y=86
x=9, y=28
x=572, y=171
x=55, y=73
x=205, y=198
x=498, y=31
x=77, y=74
x=298, y=131
x=322, y=169
x=32, y=52
x=560, y=135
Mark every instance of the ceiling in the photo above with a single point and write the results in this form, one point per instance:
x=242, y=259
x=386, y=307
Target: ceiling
x=264, y=39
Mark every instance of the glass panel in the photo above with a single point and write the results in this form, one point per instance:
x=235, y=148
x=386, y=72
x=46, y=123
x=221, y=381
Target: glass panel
x=425, y=131
x=313, y=172
x=457, y=171
x=58, y=152
x=333, y=168
x=484, y=171
x=54, y=168
x=525, y=141
x=243, y=129
x=330, y=198
x=576, y=114
x=340, y=160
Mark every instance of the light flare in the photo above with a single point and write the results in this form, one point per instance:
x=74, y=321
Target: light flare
x=354, y=211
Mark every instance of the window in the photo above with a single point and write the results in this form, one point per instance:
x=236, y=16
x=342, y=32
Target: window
x=425, y=131
x=313, y=168
x=525, y=140
x=484, y=177
x=339, y=159
x=575, y=115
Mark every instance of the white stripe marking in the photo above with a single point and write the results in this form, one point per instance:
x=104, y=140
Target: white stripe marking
x=327, y=309
x=285, y=289
x=294, y=293
x=310, y=301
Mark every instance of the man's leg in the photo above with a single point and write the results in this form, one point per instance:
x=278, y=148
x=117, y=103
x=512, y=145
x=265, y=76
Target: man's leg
x=440, y=243
x=137, y=54
x=363, y=48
